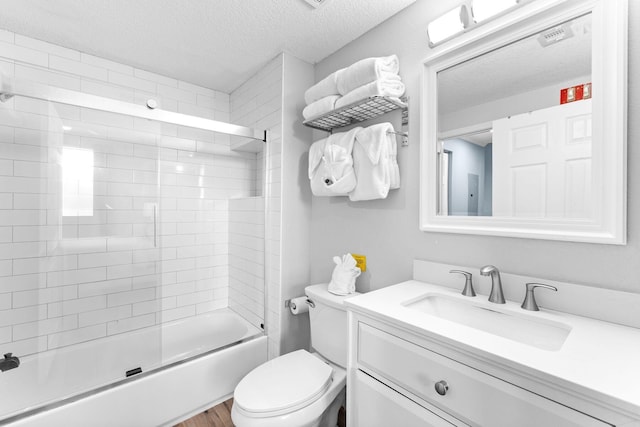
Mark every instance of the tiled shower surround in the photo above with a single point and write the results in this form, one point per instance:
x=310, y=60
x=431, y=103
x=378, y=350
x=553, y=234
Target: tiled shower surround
x=81, y=256
x=246, y=258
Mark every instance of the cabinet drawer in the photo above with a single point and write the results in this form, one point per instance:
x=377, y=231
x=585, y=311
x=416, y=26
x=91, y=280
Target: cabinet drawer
x=470, y=392
x=376, y=405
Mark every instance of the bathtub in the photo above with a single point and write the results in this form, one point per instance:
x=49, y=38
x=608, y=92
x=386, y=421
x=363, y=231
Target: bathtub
x=187, y=366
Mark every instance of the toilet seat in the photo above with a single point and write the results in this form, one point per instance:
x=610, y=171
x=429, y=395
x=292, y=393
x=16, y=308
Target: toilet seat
x=283, y=385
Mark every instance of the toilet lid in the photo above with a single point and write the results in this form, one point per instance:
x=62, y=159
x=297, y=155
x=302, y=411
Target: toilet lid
x=283, y=384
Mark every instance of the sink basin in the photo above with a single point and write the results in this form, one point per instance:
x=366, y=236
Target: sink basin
x=541, y=333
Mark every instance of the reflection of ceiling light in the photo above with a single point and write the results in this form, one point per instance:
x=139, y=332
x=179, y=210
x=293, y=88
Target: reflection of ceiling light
x=66, y=128
x=482, y=10
x=447, y=25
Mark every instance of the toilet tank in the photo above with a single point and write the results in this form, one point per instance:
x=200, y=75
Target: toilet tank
x=328, y=321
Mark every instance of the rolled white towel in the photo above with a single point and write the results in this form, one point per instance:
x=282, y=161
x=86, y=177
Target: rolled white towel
x=325, y=87
x=319, y=107
x=380, y=87
x=365, y=71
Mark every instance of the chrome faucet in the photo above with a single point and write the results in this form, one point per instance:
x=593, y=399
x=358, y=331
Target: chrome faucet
x=496, y=295
x=9, y=362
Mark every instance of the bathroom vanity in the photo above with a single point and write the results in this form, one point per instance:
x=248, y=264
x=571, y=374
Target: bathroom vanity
x=422, y=354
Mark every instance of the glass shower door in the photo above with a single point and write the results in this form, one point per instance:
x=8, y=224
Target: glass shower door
x=126, y=244
x=80, y=210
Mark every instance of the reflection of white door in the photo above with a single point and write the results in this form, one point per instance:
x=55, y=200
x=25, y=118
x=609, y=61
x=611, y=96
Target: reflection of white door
x=542, y=163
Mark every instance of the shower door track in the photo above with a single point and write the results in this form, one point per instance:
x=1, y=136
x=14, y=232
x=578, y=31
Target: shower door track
x=16, y=87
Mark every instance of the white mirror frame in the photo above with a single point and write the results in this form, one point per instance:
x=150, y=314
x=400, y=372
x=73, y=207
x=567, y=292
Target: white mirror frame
x=609, y=76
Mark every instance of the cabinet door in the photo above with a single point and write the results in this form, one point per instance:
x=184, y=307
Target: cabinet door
x=377, y=405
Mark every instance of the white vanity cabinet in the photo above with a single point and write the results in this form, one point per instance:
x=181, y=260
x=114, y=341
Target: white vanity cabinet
x=379, y=405
x=398, y=378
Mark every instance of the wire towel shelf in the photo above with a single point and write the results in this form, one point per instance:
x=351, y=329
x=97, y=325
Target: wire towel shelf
x=356, y=112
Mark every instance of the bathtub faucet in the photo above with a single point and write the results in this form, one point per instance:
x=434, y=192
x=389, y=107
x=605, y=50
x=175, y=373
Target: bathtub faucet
x=9, y=362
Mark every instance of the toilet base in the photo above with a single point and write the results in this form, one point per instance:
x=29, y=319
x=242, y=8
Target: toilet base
x=330, y=416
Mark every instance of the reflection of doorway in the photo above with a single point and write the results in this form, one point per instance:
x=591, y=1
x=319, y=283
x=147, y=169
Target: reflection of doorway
x=445, y=180
x=465, y=173
x=473, y=188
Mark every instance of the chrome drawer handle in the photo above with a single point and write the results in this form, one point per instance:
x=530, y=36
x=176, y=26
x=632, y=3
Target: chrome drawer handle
x=442, y=387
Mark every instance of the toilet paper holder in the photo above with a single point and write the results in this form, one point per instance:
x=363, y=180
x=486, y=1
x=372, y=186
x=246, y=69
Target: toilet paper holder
x=287, y=303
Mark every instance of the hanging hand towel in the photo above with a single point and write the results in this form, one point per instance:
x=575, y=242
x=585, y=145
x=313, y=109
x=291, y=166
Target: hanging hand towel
x=331, y=164
x=366, y=71
x=343, y=278
x=381, y=87
x=373, y=156
x=325, y=87
x=319, y=107
x=394, y=169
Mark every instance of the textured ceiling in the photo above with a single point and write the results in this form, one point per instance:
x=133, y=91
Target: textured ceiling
x=213, y=43
x=516, y=68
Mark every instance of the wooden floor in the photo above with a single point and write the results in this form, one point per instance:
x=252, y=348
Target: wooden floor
x=220, y=416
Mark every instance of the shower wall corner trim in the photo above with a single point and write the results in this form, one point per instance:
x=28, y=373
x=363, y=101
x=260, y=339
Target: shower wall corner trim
x=10, y=87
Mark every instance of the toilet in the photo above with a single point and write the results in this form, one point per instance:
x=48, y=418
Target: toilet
x=300, y=389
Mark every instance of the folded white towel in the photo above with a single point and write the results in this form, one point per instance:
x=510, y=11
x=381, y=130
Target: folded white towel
x=380, y=87
x=331, y=164
x=365, y=71
x=375, y=164
x=325, y=87
x=319, y=107
x=343, y=278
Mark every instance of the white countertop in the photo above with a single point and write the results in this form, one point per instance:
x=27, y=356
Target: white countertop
x=598, y=359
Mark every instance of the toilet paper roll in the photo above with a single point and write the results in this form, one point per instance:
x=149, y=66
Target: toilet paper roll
x=298, y=305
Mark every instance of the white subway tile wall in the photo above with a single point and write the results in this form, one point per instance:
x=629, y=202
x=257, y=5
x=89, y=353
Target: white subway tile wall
x=258, y=103
x=70, y=279
x=246, y=258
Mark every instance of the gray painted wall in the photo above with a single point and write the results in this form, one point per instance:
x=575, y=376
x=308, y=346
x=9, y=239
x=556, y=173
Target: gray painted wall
x=387, y=230
x=297, y=76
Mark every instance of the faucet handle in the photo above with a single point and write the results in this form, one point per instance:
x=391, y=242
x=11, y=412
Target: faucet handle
x=468, y=283
x=529, y=302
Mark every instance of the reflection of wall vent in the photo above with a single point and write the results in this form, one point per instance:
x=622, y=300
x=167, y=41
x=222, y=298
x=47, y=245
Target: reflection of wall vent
x=555, y=35
x=316, y=3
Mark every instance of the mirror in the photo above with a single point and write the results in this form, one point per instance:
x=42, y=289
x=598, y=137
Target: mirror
x=515, y=90
x=524, y=126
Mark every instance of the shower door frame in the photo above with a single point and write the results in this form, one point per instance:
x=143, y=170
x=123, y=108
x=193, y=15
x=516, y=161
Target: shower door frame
x=16, y=87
